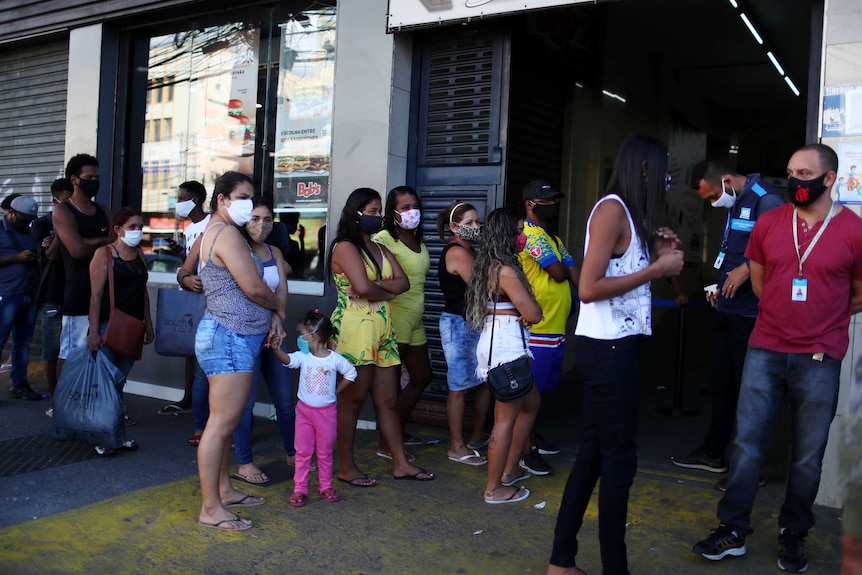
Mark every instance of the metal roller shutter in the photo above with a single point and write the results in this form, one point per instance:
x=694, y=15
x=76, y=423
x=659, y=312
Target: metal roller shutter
x=33, y=95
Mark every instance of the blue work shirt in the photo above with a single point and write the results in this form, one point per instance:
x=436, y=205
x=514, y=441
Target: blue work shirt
x=15, y=278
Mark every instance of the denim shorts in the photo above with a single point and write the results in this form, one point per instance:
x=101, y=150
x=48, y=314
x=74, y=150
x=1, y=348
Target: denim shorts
x=52, y=325
x=509, y=343
x=220, y=350
x=459, y=347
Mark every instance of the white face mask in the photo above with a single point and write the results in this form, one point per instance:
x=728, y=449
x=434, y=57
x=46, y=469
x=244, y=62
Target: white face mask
x=132, y=238
x=409, y=219
x=185, y=208
x=725, y=200
x=240, y=211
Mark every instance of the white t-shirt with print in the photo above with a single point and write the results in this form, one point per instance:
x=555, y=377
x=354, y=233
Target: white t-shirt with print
x=193, y=231
x=318, y=376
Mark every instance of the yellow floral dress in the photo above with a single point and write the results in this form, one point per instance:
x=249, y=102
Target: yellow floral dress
x=365, y=335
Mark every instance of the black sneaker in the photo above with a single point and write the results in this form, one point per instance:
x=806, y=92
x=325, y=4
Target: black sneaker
x=791, y=552
x=697, y=459
x=545, y=447
x=721, y=484
x=24, y=391
x=722, y=542
x=535, y=463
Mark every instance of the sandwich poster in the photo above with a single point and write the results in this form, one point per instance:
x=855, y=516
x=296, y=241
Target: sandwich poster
x=411, y=13
x=304, y=117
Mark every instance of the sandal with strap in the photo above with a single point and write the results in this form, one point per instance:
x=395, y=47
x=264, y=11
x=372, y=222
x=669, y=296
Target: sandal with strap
x=298, y=499
x=329, y=495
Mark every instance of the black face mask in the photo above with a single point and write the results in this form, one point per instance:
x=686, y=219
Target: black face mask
x=805, y=192
x=370, y=224
x=547, y=212
x=20, y=224
x=89, y=187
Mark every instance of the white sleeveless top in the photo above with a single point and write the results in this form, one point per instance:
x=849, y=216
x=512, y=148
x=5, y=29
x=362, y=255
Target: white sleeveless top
x=626, y=314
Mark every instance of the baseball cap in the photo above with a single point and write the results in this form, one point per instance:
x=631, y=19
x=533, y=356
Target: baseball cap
x=539, y=190
x=26, y=206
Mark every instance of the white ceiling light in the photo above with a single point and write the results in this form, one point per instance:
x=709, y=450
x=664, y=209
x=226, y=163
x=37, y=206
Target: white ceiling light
x=614, y=96
x=734, y=4
x=751, y=28
x=793, y=87
x=775, y=63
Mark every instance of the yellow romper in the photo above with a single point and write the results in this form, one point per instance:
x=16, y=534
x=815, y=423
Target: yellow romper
x=408, y=307
x=365, y=327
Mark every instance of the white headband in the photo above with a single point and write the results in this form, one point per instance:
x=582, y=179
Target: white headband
x=452, y=213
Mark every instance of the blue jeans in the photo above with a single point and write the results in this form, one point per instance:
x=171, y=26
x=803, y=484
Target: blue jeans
x=18, y=318
x=608, y=449
x=812, y=387
x=281, y=392
x=200, y=397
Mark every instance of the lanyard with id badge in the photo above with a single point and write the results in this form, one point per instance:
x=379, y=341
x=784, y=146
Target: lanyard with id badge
x=800, y=284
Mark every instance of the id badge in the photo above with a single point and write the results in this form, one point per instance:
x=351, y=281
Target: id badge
x=800, y=290
x=718, y=261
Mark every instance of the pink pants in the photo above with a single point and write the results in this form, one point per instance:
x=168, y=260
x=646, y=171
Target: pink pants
x=314, y=426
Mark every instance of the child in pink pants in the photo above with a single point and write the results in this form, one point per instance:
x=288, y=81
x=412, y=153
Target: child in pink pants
x=316, y=415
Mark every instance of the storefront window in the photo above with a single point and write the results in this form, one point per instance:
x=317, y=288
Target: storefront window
x=256, y=98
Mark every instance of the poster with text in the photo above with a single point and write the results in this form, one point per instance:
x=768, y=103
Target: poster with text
x=847, y=189
x=304, y=116
x=842, y=110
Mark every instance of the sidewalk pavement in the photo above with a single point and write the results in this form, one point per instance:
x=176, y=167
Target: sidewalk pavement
x=137, y=512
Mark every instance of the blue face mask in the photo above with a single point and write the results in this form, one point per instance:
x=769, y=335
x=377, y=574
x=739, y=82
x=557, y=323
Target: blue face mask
x=302, y=344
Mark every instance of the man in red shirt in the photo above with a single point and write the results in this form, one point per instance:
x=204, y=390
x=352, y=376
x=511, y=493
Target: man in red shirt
x=806, y=268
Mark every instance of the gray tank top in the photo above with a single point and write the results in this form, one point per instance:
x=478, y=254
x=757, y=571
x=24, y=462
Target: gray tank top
x=227, y=304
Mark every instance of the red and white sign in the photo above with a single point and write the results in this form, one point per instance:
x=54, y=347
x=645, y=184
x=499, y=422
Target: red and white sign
x=413, y=13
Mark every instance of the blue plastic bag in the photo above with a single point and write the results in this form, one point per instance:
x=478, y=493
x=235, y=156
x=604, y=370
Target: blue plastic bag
x=87, y=402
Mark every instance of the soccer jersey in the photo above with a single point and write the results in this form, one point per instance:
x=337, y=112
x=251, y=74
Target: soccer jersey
x=555, y=297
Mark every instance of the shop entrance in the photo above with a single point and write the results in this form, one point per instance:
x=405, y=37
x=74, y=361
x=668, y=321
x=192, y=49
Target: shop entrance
x=574, y=82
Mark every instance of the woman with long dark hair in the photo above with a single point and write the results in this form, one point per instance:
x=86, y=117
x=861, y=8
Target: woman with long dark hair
x=402, y=236
x=458, y=337
x=367, y=277
x=499, y=298
x=242, y=314
x=615, y=310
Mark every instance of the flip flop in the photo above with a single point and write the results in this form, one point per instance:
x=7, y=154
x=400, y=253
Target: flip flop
x=411, y=439
x=172, y=409
x=240, y=525
x=481, y=444
x=520, y=494
x=329, y=495
x=247, y=478
x=524, y=475
x=194, y=440
x=410, y=457
x=359, y=481
x=465, y=459
x=415, y=476
x=298, y=499
x=255, y=501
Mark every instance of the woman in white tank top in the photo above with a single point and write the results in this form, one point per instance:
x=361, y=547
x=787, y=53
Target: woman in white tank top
x=615, y=310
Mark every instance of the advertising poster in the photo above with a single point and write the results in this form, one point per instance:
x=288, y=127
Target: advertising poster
x=304, y=117
x=229, y=83
x=847, y=189
x=842, y=110
x=408, y=13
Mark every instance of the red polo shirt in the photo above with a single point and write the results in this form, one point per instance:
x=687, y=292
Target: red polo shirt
x=819, y=324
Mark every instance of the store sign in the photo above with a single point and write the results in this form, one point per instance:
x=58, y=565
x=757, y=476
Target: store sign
x=304, y=117
x=411, y=13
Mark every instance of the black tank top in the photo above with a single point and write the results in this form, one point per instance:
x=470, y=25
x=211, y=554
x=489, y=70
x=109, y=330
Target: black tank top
x=130, y=287
x=452, y=286
x=76, y=297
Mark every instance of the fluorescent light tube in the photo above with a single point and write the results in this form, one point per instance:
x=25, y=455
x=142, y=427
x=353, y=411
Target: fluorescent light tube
x=751, y=28
x=734, y=4
x=792, y=86
x=775, y=63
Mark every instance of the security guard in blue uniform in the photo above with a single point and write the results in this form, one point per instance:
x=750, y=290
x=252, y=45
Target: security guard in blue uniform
x=745, y=198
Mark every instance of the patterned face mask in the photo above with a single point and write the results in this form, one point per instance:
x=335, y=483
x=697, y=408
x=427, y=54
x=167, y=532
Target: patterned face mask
x=468, y=234
x=258, y=230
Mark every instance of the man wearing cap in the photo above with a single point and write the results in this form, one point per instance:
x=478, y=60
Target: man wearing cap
x=745, y=198
x=552, y=274
x=18, y=281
